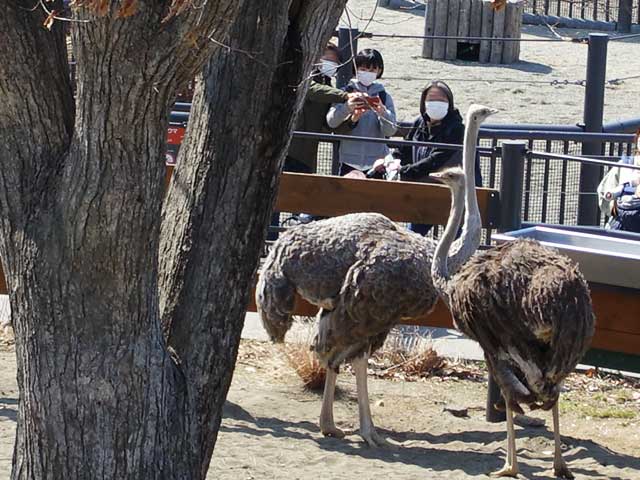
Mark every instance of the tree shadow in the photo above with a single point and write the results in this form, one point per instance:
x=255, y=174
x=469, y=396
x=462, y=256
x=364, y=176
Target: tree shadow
x=580, y=449
x=472, y=462
x=8, y=412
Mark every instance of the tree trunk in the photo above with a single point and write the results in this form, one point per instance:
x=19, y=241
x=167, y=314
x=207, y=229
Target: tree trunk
x=220, y=199
x=102, y=395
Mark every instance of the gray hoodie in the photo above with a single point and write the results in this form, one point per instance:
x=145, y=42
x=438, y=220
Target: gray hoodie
x=361, y=155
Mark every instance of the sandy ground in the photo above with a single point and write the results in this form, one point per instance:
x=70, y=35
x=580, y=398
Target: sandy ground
x=270, y=428
x=406, y=72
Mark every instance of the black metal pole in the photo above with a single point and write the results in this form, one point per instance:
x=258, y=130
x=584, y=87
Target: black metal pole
x=588, y=213
x=347, y=49
x=625, y=7
x=511, y=189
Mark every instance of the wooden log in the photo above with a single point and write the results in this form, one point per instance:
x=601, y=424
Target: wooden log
x=429, y=24
x=475, y=19
x=487, y=31
x=498, y=32
x=452, y=29
x=440, y=29
x=464, y=18
x=512, y=29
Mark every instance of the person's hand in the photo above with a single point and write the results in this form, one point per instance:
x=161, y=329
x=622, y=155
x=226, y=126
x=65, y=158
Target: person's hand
x=408, y=172
x=379, y=166
x=355, y=101
x=379, y=108
x=357, y=114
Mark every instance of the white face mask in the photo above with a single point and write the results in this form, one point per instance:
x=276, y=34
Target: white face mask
x=437, y=110
x=328, y=68
x=366, y=78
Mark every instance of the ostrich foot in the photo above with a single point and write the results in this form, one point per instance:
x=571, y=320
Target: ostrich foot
x=374, y=439
x=330, y=430
x=507, y=471
x=561, y=470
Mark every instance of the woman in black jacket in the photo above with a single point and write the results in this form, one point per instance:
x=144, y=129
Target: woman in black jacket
x=439, y=122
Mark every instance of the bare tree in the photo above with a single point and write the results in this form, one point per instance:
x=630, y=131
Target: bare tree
x=128, y=317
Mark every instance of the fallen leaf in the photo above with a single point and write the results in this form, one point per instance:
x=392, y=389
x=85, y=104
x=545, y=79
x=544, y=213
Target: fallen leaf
x=128, y=8
x=48, y=22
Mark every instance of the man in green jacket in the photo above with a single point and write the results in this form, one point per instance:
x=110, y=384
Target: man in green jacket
x=303, y=152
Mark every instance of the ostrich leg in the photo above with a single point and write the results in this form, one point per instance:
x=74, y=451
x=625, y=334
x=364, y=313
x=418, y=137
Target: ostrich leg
x=327, y=425
x=510, y=468
x=560, y=468
x=367, y=429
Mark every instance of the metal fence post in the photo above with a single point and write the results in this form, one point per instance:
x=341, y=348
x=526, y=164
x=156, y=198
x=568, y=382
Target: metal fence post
x=588, y=213
x=347, y=48
x=511, y=189
x=625, y=9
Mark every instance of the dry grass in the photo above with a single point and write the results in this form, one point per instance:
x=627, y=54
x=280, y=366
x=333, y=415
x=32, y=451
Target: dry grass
x=306, y=365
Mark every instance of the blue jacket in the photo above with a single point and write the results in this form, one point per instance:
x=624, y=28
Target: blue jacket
x=362, y=155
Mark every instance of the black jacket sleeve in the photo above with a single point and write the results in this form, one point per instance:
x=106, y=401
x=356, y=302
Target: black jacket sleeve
x=405, y=153
x=439, y=156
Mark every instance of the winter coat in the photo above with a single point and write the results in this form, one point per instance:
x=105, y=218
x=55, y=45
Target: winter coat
x=624, y=210
x=362, y=155
x=421, y=161
x=312, y=118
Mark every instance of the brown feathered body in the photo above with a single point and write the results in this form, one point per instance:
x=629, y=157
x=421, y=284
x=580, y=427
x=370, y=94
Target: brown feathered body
x=530, y=310
x=363, y=271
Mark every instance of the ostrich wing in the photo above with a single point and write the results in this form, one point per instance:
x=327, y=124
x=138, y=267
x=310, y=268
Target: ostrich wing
x=529, y=308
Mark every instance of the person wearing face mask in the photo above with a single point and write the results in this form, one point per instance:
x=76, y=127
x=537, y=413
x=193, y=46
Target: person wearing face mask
x=439, y=122
x=369, y=114
x=302, y=156
x=619, y=193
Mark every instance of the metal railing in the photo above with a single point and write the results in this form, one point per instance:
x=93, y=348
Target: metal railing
x=551, y=190
x=596, y=10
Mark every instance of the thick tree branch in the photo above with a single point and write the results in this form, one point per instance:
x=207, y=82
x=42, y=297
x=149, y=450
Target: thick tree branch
x=36, y=111
x=220, y=200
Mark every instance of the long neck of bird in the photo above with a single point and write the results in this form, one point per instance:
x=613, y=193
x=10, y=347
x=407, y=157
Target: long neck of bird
x=439, y=267
x=472, y=227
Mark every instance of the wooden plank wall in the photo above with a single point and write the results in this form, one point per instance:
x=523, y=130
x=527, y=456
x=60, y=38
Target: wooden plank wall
x=616, y=329
x=473, y=18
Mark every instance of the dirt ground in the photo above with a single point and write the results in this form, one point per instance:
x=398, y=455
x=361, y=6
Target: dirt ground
x=270, y=427
x=406, y=72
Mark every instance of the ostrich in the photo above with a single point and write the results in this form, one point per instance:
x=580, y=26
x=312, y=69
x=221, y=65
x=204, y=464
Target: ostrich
x=366, y=274
x=528, y=307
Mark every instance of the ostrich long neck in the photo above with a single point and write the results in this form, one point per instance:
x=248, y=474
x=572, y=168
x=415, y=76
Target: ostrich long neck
x=470, y=238
x=439, y=268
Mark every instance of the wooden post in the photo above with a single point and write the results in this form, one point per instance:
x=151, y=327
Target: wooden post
x=487, y=31
x=452, y=29
x=498, y=32
x=440, y=29
x=475, y=20
x=512, y=29
x=429, y=24
x=464, y=18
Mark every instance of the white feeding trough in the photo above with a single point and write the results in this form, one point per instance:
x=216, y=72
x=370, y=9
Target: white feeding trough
x=601, y=258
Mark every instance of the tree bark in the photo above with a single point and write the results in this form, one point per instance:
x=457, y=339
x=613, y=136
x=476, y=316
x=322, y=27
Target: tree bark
x=103, y=393
x=220, y=199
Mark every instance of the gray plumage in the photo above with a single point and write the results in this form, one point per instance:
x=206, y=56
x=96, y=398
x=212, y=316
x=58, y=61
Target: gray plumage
x=365, y=272
x=527, y=305
x=530, y=310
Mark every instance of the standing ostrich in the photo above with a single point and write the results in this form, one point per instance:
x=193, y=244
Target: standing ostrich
x=366, y=275
x=527, y=306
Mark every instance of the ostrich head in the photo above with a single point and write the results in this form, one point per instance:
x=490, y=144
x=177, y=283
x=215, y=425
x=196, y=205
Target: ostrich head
x=452, y=177
x=478, y=114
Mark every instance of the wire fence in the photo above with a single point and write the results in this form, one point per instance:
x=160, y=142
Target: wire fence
x=551, y=186
x=597, y=10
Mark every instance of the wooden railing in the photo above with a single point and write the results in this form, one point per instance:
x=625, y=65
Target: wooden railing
x=617, y=330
